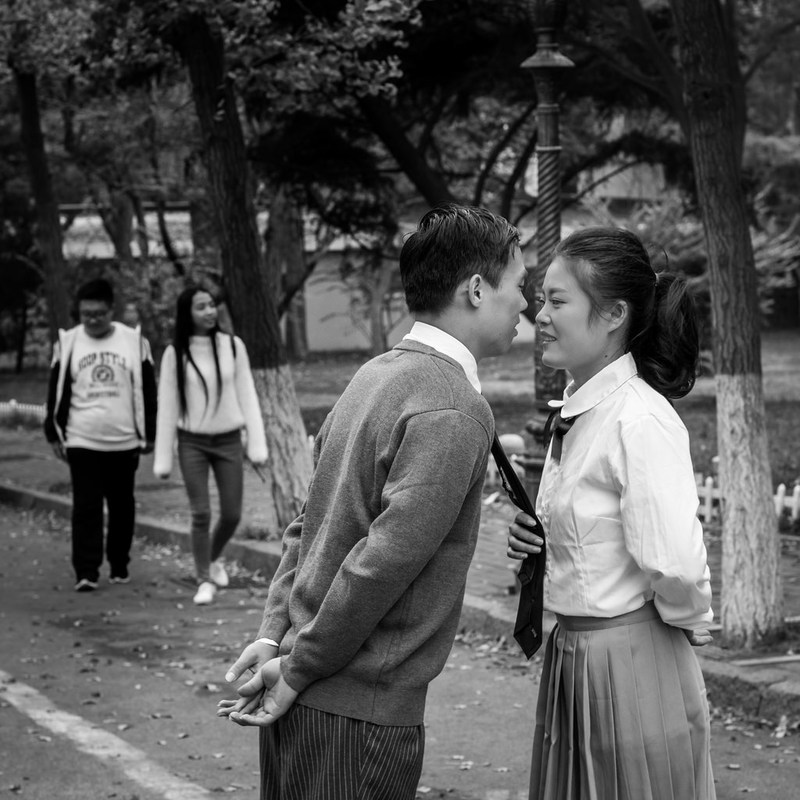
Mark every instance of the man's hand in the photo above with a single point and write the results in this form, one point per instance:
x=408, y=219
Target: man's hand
x=276, y=696
x=522, y=541
x=253, y=657
x=699, y=637
x=59, y=451
x=147, y=447
x=243, y=705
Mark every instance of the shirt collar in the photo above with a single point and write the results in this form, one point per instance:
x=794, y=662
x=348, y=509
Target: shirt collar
x=597, y=388
x=447, y=345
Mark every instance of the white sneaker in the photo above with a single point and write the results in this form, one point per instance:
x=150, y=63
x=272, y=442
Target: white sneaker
x=216, y=569
x=205, y=594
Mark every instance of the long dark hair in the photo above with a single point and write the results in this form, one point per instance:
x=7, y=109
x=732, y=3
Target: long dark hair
x=612, y=264
x=184, y=329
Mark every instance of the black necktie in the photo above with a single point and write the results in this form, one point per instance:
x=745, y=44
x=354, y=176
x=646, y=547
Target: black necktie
x=528, y=625
x=557, y=427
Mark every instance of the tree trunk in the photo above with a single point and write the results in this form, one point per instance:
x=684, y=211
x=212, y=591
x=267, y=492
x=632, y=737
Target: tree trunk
x=289, y=447
x=295, y=322
x=381, y=273
x=794, y=111
x=205, y=243
x=118, y=223
x=23, y=335
x=251, y=305
x=48, y=226
x=751, y=592
x=286, y=264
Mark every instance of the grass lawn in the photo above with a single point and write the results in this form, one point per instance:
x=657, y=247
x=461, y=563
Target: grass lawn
x=508, y=385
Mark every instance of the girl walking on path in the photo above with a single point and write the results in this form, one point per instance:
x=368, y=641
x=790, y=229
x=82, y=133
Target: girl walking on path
x=622, y=711
x=206, y=396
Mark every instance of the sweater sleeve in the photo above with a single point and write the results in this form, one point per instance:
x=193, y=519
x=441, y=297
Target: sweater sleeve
x=441, y=455
x=167, y=419
x=275, y=621
x=248, y=402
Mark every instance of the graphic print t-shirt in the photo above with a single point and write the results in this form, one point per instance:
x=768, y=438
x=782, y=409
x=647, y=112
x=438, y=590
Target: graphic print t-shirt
x=101, y=415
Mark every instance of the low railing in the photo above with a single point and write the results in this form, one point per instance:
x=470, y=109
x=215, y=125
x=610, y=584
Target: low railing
x=11, y=410
x=709, y=495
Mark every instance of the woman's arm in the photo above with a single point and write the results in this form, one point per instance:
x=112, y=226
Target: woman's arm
x=167, y=419
x=658, y=506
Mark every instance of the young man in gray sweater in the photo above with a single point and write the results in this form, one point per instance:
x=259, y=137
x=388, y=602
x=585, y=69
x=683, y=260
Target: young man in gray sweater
x=363, y=609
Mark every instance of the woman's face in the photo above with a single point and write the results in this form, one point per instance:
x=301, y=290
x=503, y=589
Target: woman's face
x=571, y=338
x=204, y=313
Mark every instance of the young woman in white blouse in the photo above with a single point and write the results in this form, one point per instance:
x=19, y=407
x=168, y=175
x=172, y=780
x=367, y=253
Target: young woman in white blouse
x=206, y=395
x=622, y=710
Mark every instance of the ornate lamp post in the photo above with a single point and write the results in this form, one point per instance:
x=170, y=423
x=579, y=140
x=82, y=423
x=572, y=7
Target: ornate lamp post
x=547, y=64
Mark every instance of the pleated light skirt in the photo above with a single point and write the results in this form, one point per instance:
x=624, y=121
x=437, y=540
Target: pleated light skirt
x=622, y=713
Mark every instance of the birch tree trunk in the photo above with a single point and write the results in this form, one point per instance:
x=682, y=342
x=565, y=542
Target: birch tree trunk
x=751, y=591
x=252, y=306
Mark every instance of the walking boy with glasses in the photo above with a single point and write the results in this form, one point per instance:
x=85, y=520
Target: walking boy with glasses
x=101, y=414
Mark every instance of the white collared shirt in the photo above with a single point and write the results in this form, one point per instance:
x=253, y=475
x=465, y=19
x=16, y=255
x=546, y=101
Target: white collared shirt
x=447, y=345
x=620, y=509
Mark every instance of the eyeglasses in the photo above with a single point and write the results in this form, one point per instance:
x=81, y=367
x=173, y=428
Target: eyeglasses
x=94, y=314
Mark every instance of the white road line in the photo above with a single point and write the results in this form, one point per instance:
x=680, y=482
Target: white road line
x=98, y=743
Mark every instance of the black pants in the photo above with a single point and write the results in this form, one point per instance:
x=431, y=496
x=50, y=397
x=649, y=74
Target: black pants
x=99, y=476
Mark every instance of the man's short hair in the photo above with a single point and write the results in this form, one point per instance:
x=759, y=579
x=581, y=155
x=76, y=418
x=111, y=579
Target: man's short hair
x=451, y=243
x=98, y=289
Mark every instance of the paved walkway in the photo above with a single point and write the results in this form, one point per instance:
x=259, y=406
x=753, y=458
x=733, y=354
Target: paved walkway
x=30, y=474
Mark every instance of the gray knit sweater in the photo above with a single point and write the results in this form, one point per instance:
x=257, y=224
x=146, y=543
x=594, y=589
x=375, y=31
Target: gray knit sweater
x=366, y=600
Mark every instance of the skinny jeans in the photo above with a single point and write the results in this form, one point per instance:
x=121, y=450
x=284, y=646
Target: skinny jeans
x=224, y=454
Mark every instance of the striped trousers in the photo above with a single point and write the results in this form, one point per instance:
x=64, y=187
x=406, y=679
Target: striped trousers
x=312, y=755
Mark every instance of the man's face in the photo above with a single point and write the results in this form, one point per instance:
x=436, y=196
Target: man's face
x=95, y=315
x=502, y=306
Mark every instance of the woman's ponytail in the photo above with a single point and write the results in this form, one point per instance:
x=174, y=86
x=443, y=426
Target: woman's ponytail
x=668, y=350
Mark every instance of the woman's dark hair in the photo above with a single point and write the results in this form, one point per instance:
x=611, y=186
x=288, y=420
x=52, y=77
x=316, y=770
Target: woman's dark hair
x=612, y=264
x=452, y=243
x=184, y=329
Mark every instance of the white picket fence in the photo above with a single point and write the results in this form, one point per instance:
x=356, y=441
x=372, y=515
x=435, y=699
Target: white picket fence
x=709, y=495
x=21, y=411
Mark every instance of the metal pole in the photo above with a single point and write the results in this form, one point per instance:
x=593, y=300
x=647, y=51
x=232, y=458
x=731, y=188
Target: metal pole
x=547, y=64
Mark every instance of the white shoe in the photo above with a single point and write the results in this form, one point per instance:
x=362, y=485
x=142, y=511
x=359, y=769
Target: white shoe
x=216, y=570
x=205, y=594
